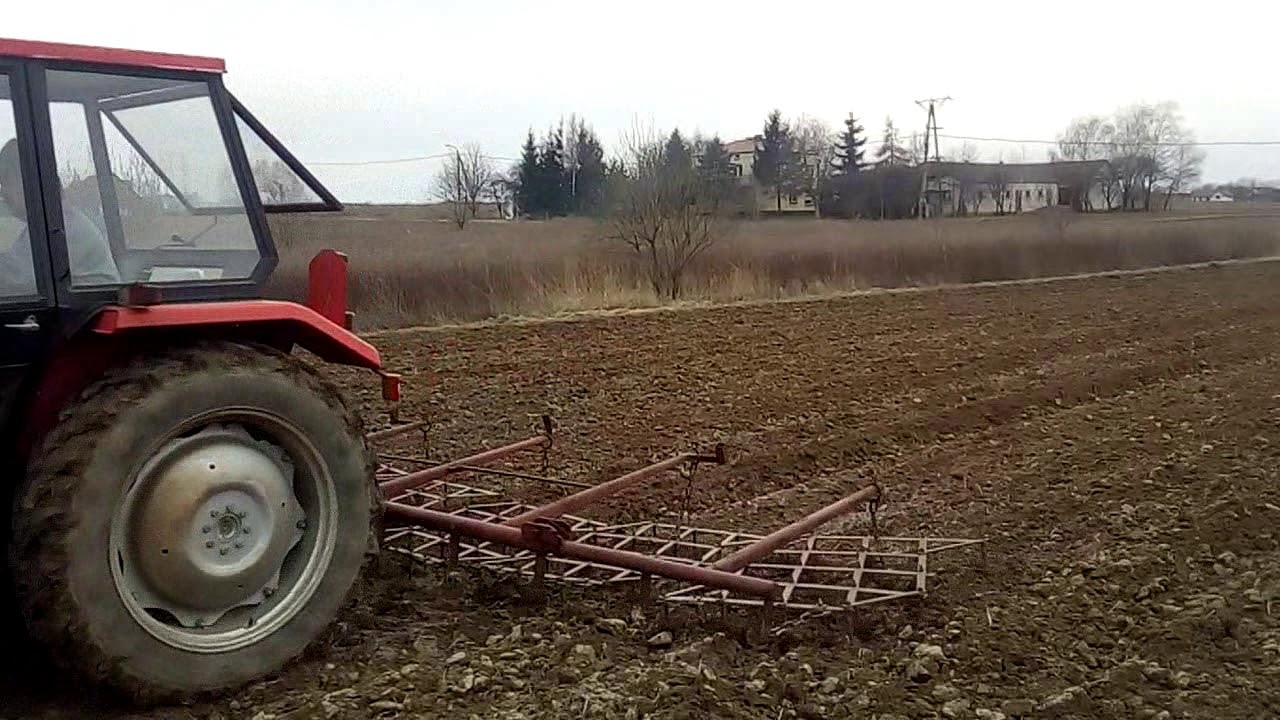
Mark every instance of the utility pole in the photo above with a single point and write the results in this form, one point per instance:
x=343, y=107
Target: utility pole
x=457, y=180
x=931, y=126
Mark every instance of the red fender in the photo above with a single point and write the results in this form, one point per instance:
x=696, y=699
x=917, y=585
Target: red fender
x=116, y=329
x=290, y=321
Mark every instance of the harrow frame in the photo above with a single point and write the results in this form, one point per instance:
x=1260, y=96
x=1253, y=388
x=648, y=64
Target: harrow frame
x=436, y=519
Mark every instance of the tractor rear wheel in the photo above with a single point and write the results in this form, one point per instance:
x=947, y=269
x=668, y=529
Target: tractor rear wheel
x=195, y=521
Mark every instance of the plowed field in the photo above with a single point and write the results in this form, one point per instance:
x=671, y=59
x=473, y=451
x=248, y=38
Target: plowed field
x=1117, y=439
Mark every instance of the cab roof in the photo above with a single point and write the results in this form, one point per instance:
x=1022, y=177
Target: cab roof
x=38, y=50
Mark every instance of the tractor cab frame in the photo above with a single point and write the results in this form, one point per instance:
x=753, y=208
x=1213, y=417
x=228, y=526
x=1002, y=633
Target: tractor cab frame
x=133, y=180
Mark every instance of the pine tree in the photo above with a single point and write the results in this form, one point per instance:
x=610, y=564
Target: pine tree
x=892, y=151
x=587, y=177
x=552, y=197
x=714, y=170
x=773, y=155
x=528, y=176
x=849, y=150
x=677, y=155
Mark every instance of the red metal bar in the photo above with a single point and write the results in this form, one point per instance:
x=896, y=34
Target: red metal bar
x=391, y=432
x=422, y=477
x=767, y=544
x=517, y=537
x=578, y=500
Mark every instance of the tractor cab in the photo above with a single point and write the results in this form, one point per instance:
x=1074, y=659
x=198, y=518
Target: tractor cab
x=130, y=178
x=124, y=168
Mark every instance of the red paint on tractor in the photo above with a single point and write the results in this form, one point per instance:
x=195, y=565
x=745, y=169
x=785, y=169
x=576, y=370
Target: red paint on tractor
x=39, y=50
x=327, y=286
x=71, y=367
x=298, y=323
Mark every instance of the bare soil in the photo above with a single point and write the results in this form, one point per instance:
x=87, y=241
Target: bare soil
x=1116, y=439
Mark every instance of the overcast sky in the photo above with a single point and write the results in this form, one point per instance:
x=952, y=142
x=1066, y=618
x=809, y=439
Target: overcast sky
x=382, y=79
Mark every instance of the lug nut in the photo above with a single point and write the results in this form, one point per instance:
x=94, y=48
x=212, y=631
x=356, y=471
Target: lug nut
x=302, y=524
x=268, y=591
x=244, y=529
x=239, y=545
x=208, y=543
x=206, y=529
x=213, y=513
x=223, y=551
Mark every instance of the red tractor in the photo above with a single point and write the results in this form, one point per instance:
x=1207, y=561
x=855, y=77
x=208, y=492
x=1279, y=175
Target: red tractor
x=191, y=504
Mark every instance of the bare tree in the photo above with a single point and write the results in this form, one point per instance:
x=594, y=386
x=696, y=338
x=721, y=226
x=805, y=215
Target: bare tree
x=1181, y=171
x=1146, y=147
x=998, y=182
x=448, y=187
x=277, y=183
x=814, y=150
x=1086, y=138
x=661, y=212
x=464, y=181
x=967, y=153
x=915, y=149
x=501, y=192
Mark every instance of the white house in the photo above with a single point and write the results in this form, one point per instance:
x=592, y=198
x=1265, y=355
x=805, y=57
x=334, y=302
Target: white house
x=742, y=155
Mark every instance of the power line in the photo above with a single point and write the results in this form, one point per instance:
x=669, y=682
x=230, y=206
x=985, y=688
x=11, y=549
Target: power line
x=1113, y=143
x=397, y=161
x=392, y=161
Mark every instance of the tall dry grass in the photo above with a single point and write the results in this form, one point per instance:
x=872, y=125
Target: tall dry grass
x=408, y=268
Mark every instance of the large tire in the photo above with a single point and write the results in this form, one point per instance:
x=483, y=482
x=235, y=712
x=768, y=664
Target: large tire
x=84, y=549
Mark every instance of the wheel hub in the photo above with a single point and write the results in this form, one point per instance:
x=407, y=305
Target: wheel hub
x=208, y=526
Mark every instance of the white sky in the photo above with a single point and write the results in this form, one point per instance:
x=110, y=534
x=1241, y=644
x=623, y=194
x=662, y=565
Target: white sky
x=339, y=80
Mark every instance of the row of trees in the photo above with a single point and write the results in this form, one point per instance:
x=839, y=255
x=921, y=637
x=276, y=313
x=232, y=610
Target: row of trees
x=1150, y=153
x=565, y=171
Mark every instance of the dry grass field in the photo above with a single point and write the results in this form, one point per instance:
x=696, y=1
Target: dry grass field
x=411, y=266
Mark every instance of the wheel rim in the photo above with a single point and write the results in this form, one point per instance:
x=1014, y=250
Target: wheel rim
x=224, y=532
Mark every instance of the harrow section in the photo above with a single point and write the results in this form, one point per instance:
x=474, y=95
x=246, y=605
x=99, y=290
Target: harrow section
x=435, y=517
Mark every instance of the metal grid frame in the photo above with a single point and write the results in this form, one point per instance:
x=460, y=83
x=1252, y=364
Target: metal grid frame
x=816, y=572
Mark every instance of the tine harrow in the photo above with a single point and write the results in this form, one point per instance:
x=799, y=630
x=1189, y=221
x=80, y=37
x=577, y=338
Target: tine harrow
x=436, y=518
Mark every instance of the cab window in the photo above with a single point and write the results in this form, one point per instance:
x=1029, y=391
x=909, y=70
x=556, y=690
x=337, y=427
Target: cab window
x=148, y=189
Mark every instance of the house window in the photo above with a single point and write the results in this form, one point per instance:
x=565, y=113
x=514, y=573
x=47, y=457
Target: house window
x=808, y=202
x=793, y=200
x=1040, y=194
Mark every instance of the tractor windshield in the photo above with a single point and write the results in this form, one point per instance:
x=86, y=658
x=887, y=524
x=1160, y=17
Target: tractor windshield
x=144, y=167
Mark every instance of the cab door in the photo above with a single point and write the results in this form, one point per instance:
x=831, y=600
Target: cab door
x=27, y=305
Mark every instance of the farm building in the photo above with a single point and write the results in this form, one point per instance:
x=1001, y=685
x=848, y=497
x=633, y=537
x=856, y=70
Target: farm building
x=741, y=160
x=1215, y=196
x=956, y=188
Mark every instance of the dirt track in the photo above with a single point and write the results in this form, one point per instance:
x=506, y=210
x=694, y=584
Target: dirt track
x=1118, y=439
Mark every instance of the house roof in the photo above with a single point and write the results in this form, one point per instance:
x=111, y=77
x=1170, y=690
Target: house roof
x=1068, y=171
x=740, y=146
